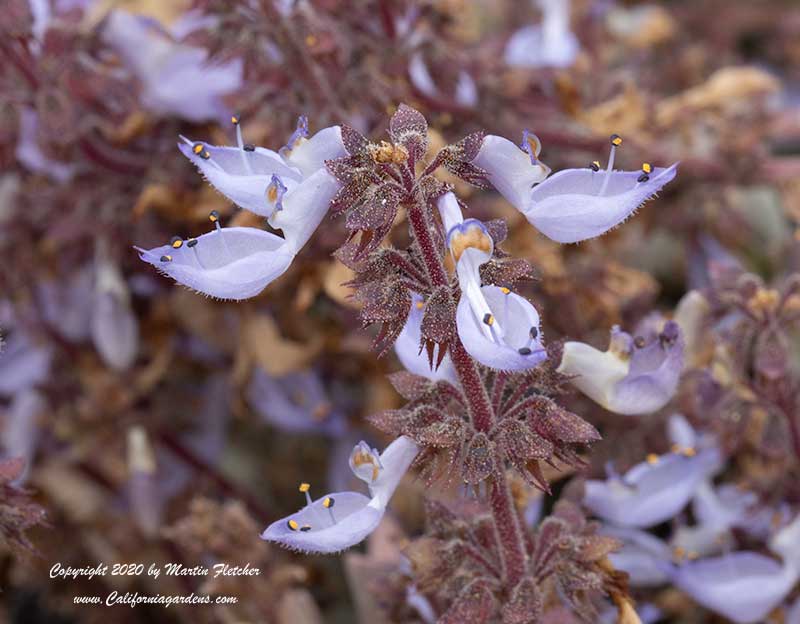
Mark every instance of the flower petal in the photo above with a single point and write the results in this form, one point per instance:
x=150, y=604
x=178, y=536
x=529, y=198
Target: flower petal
x=568, y=207
x=115, y=329
x=641, y=556
x=341, y=520
x=409, y=350
x=515, y=350
x=230, y=263
x=176, y=78
x=304, y=208
x=510, y=169
x=742, y=586
x=356, y=517
x=226, y=170
x=310, y=156
x=649, y=494
x=395, y=461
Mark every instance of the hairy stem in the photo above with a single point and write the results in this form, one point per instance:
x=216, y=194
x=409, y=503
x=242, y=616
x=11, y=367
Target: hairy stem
x=506, y=518
x=509, y=533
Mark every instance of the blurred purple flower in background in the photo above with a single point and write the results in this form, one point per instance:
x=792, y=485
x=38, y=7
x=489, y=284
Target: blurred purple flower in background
x=634, y=376
x=176, y=78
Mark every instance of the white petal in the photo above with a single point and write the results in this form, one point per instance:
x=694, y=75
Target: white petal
x=649, y=494
x=310, y=156
x=568, y=208
x=395, y=459
x=414, y=360
x=115, y=331
x=450, y=211
x=304, y=208
x=515, y=316
x=510, y=169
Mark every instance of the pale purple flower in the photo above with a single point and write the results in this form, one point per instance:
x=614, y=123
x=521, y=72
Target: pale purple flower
x=114, y=326
x=296, y=403
x=23, y=363
x=549, y=44
x=340, y=520
x=291, y=187
x=410, y=351
x=742, y=586
x=66, y=303
x=634, y=376
x=717, y=511
x=177, y=79
x=228, y=263
x=654, y=490
x=498, y=328
x=574, y=204
x=642, y=556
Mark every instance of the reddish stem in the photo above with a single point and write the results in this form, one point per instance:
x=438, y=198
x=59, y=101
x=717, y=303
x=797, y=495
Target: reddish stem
x=509, y=533
x=506, y=518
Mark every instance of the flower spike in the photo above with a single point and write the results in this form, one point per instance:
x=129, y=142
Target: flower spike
x=498, y=328
x=654, y=490
x=340, y=520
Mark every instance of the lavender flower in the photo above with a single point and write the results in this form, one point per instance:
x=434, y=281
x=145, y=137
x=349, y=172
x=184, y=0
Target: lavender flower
x=115, y=329
x=177, y=79
x=642, y=556
x=498, y=328
x=717, y=511
x=634, y=376
x=340, y=520
x=573, y=204
x=742, y=586
x=23, y=364
x=550, y=44
x=296, y=402
x=654, y=490
x=291, y=186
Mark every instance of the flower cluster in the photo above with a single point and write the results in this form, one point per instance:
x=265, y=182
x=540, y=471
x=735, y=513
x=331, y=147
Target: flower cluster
x=480, y=383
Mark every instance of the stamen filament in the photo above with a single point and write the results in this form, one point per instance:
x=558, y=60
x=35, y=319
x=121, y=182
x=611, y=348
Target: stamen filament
x=240, y=143
x=610, y=167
